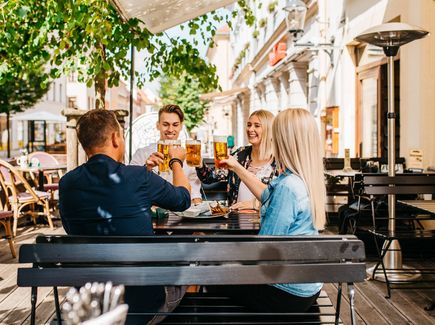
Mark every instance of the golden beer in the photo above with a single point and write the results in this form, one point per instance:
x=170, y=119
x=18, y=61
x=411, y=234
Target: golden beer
x=163, y=148
x=220, y=150
x=193, y=153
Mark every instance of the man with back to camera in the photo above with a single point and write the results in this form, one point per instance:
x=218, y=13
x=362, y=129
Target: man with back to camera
x=105, y=197
x=169, y=124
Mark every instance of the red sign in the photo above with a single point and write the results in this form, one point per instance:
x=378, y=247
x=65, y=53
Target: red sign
x=278, y=53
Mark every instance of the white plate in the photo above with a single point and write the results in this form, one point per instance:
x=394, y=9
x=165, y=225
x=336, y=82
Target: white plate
x=201, y=216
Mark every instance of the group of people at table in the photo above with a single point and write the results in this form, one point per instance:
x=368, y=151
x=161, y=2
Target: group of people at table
x=282, y=169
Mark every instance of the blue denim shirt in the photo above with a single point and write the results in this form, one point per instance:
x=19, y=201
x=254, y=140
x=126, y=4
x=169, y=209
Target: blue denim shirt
x=286, y=211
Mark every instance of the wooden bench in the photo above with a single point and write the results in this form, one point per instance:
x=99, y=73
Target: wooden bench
x=197, y=260
x=375, y=185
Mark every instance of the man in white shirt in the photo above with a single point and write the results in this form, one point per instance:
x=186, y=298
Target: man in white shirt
x=170, y=123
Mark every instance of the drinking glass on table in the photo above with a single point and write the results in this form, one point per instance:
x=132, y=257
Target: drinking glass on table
x=163, y=148
x=193, y=153
x=220, y=150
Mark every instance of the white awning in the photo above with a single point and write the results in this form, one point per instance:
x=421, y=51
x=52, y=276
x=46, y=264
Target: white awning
x=159, y=15
x=39, y=116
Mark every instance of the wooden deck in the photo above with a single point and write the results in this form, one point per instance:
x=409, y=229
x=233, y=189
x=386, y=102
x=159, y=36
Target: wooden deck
x=405, y=306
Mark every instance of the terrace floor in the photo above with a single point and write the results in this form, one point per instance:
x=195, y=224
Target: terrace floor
x=404, y=307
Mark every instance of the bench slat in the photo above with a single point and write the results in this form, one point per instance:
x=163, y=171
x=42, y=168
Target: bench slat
x=302, y=251
x=76, y=239
x=402, y=189
x=408, y=179
x=190, y=275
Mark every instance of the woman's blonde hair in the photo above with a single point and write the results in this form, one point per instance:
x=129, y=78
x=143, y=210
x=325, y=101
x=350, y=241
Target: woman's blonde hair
x=266, y=120
x=297, y=146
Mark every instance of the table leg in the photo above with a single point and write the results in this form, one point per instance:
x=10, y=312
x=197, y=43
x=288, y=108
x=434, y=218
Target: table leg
x=41, y=180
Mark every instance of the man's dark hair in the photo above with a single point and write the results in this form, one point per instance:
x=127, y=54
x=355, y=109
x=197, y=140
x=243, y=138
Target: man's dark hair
x=172, y=108
x=95, y=127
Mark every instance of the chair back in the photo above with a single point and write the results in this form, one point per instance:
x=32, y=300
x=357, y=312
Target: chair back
x=13, y=178
x=45, y=159
x=4, y=195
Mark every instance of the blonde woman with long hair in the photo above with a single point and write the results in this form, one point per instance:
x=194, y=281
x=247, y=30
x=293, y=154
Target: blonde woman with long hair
x=292, y=204
x=256, y=158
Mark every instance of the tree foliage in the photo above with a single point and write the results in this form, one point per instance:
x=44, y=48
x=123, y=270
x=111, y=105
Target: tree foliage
x=90, y=38
x=21, y=93
x=185, y=92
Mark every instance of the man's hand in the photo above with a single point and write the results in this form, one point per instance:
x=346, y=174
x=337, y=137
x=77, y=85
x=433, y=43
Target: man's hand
x=154, y=160
x=197, y=200
x=177, y=152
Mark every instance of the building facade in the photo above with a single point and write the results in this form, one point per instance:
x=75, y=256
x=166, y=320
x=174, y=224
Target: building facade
x=219, y=115
x=342, y=82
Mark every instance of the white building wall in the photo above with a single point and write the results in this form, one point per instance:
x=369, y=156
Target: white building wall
x=417, y=68
x=85, y=97
x=331, y=81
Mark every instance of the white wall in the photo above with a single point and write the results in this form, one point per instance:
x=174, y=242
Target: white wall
x=417, y=71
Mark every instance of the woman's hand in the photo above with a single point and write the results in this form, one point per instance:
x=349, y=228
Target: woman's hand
x=231, y=163
x=248, y=205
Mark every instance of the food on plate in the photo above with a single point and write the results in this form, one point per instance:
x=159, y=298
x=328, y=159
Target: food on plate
x=218, y=209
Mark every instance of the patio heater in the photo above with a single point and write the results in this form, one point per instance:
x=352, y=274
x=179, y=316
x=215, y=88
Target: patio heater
x=390, y=37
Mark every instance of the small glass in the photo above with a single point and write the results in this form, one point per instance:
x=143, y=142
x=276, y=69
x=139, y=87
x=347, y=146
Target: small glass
x=193, y=153
x=163, y=148
x=220, y=147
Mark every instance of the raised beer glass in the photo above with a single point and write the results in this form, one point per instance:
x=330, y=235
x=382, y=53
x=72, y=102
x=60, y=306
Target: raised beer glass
x=163, y=148
x=193, y=153
x=220, y=150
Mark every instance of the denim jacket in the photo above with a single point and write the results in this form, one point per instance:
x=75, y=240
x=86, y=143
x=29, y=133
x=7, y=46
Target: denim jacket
x=286, y=211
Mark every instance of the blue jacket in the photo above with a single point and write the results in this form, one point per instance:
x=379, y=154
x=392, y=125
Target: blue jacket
x=105, y=197
x=286, y=211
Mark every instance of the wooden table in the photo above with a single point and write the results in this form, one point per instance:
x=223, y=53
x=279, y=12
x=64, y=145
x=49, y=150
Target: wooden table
x=235, y=223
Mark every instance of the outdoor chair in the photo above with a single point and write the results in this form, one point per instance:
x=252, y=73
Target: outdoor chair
x=21, y=195
x=6, y=216
x=47, y=160
x=51, y=184
x=5, y=221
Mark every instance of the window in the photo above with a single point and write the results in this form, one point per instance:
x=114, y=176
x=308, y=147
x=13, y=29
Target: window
x=372, y=107
x=53, y=92
x=72, y=77
x=72, y=102
x=331, y=128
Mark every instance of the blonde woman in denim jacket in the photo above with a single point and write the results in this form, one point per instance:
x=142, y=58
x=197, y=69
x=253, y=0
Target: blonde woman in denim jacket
x=292, y=204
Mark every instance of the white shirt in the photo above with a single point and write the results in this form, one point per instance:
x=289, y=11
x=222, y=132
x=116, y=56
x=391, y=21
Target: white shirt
x=141, y=155
x=244, y=193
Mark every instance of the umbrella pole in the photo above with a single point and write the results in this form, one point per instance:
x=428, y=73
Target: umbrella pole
x=391, y=118
x=393, y=257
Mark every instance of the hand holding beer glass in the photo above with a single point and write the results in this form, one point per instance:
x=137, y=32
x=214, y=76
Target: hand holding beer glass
x=163, y=148
x=220, y=150
x=193, y=153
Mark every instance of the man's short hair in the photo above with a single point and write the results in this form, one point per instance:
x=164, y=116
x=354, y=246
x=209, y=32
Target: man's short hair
x=95, y=127
x=172, y=108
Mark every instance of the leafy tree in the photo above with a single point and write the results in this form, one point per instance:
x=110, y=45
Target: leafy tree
x=21, y=93
x=185, y=92
x=90, y=37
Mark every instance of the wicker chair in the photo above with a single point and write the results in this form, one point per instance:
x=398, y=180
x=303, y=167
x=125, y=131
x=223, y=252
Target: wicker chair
x=20, y=195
